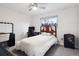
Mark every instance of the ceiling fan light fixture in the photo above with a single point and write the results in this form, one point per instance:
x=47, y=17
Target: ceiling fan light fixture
x=34, y=8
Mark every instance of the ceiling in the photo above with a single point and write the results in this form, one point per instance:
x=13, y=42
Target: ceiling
x=23, y=7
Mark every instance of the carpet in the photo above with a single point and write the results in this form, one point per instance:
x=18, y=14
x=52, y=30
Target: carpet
x=53, y=51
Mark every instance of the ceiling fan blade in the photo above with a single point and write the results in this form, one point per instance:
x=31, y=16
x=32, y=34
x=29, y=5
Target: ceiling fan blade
x=42, y=3
x=42, y=7
x=30, y=9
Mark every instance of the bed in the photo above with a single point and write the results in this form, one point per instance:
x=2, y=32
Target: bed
x=37, y=45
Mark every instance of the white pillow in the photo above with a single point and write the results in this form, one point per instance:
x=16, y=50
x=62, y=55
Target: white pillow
x=47, y=34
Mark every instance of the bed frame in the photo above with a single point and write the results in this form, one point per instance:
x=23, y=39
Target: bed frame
x=49, y=29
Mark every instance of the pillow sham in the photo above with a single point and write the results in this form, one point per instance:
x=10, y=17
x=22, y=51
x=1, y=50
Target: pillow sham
x=47, y=34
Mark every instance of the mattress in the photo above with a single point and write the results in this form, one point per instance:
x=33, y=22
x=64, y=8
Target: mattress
x=36, y=45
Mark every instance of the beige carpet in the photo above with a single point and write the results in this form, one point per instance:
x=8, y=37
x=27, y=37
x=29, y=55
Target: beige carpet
x=53, y=51
x=61, y=51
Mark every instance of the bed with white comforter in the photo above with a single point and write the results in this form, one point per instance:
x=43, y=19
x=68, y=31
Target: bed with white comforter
x=36, y=45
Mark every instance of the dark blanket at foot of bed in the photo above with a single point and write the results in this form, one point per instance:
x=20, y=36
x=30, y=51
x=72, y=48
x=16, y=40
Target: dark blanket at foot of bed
x=4, y=52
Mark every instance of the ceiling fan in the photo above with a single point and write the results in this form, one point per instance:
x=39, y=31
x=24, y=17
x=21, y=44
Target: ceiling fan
x=35, y=6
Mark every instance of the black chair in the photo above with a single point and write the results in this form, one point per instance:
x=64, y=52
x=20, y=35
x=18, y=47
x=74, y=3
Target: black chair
x=31, y=31
x=11, y=41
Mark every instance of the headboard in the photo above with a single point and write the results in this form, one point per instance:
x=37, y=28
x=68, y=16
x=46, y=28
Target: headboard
x=49, y=29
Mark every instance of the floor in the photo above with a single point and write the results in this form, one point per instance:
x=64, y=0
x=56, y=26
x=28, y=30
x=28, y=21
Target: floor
x=54, y=51
x=61, y=51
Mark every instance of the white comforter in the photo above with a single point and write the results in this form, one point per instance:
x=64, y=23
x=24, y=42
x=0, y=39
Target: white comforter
x=36, y=45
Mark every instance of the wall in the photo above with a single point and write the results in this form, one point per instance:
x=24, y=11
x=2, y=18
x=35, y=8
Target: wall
x=21, y=22
x=67, y=21
x=78, y=25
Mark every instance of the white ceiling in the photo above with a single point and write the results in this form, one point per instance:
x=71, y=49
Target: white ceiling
x=23, y=7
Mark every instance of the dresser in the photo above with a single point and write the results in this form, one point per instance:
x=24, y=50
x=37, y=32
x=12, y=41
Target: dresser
x=69, y=41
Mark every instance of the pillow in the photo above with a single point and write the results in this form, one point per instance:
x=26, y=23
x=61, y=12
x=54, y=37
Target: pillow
x=47, y=34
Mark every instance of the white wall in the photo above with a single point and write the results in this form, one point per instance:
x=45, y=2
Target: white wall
x=21, y=21
x=78, y=25
x=67, y=21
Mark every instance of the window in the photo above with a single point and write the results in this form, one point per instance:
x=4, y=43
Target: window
x=49, y=20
